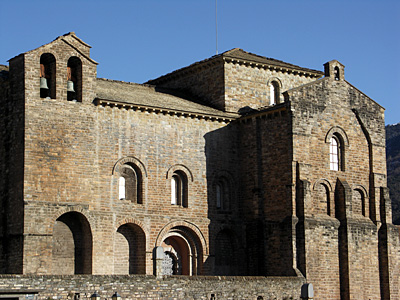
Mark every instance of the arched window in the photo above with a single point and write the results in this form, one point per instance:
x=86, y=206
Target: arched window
x=74, y=79
x=47, y=76
x=336, y=153
x=179, y=189
x=337, y=142
x=222, y=193
x=130, y=184
x=274, y=93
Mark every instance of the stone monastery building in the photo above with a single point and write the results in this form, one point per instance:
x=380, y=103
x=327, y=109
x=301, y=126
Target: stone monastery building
x=237, y=165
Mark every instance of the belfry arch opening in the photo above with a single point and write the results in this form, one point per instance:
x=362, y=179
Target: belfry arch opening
x=47, y=76
x=74, y=79
x=72, y=245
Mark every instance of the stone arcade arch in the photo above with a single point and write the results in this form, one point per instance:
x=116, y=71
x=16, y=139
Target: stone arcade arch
x=130, y=250
x=226, y=253
x=360, y=203
x=322, y=203
x=72, y=245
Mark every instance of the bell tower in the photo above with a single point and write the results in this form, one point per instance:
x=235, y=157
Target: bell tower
x=334, y=70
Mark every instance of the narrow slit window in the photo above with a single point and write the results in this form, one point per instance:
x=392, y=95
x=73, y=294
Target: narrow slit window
x=222, y=194
x=174, y=190
x=219, y=195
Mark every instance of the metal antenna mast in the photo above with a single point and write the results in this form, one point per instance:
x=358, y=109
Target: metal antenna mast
x=216, y=28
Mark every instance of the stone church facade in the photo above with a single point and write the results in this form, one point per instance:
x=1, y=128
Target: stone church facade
x=237, y=165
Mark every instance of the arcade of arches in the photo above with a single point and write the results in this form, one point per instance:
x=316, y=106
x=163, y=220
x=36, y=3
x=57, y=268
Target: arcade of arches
x=182, y=248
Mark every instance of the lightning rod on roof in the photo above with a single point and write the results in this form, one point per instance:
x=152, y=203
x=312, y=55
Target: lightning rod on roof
x=216, y=28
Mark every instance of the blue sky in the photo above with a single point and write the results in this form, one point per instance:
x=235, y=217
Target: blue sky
x=141, y=40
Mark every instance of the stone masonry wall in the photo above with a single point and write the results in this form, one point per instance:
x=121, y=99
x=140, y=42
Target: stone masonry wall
x=203, y=83
x=11, y=166
x=231, y=86
x=71, y=153
x=322, y=256
x=77, y=149
x=149, y=287
x=320, y=109
x=265, y=154
x=249, y=86
x=4, y=98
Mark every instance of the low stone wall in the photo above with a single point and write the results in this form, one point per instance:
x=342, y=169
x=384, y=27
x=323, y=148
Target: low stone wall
x=149, y=287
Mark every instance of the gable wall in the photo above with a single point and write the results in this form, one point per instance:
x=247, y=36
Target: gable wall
x=340, y=246
x=202, y=82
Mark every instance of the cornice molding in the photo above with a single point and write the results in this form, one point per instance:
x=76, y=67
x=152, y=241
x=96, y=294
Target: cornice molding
x=272, y=67
x=164, y=111
x=269, y=113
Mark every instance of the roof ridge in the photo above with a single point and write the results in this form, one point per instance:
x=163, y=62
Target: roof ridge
x=231, y=50
x=126, y=82
x=230, y=54
x=271, y=59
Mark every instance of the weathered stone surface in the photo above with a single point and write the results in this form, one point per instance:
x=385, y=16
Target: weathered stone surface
x=149, y=287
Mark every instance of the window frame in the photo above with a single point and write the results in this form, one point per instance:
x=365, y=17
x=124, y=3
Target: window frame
x=334, y=154
x=342, y=140
x=179, y=189
x=222, y=194
x=133, y=183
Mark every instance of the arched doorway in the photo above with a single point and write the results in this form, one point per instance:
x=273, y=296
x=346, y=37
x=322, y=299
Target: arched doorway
x=72, y=245
x=130, y=250
x=183, y=252
x=177, y=256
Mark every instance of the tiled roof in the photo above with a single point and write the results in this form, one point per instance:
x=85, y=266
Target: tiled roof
x=147, y=96
x=238, y=54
